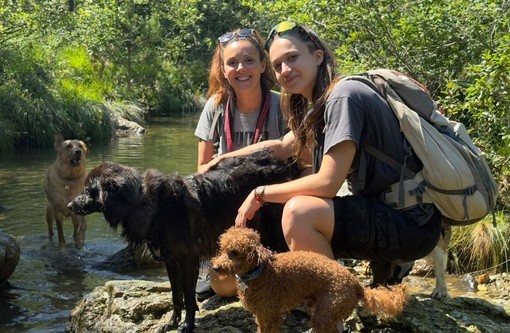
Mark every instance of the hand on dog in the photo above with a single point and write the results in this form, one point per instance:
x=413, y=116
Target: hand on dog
x=247, y=210
x=206, y=167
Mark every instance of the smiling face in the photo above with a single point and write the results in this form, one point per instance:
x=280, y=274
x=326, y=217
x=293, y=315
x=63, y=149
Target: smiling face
x=295, y=64
x=242, y=65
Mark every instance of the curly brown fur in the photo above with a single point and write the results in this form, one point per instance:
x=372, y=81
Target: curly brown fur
x=180, y=218
x=64, y=180
x=290, y=279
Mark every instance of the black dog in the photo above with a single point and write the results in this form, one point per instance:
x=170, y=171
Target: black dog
x=179, y=218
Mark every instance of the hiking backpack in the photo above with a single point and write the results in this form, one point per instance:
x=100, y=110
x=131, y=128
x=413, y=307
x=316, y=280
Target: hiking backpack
x=455, y=176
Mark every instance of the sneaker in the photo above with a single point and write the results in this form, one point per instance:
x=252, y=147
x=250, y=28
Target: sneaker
x=400, y=272
x=386, y=274
x=204, y=290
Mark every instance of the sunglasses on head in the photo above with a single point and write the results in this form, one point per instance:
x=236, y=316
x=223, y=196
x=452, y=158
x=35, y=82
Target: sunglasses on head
x=241, y=33
x=285, y=27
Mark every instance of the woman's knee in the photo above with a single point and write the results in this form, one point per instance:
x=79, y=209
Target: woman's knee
x=291, y=217
x=304, y=214
x=223, y=285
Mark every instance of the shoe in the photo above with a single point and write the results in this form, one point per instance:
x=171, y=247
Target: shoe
x=386, y=274
x=401, y=271
x=204, y=290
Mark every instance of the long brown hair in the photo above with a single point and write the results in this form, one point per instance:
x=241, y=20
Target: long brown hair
x=302, y=120
x=219, y=85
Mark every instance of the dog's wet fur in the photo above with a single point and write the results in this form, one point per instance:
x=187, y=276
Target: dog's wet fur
x=271, y=284
x=64, y=180
x=179, y=218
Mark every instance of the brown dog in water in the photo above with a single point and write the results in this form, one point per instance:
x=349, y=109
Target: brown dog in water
x=64, y=181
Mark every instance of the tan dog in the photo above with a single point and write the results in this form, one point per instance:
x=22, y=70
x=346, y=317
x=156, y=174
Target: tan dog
x=270, y=284
x=64, y=181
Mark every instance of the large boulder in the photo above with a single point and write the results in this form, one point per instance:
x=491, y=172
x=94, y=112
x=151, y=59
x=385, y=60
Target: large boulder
x=9, y=256
x=142, y=306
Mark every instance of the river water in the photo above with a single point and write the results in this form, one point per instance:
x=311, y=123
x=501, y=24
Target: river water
x=48, y=282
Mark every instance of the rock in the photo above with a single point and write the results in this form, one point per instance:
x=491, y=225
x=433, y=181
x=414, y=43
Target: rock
x=123, y=127
x=143, y=306
x=9, y=256
x=130, y=258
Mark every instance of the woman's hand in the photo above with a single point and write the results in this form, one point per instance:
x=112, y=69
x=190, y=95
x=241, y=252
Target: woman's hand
x=205, y=167
x=247, y=210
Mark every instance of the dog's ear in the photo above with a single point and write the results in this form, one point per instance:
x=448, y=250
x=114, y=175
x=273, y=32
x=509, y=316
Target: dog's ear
x=264, y=255
x=121, y=185
x=58, y=140
x=84, y=148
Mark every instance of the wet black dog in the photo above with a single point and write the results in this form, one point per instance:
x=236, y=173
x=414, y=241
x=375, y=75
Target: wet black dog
x=179, y=218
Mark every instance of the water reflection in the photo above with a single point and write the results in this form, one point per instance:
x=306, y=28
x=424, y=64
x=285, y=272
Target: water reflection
x=48, y=281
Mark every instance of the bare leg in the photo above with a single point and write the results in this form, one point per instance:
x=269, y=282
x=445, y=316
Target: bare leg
x=223, y=285
x=308, y=224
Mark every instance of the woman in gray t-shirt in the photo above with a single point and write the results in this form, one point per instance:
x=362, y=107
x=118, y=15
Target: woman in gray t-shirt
x=241, y=108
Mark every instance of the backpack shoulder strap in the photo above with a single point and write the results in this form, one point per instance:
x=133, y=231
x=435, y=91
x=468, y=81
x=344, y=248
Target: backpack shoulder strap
x=367, y=79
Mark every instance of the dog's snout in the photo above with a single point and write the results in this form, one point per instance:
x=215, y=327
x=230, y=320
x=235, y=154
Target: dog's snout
x=77, y=152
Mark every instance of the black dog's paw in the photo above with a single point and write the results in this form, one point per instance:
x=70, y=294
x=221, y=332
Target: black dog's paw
x=185, y=328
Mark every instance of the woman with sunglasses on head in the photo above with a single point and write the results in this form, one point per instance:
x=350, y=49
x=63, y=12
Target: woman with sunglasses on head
x=241, y=110
x=334, y=120
x=240, y=82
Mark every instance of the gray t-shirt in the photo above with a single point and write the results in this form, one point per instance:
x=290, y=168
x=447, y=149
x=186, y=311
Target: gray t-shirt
x=243, y=124
x=356, y=112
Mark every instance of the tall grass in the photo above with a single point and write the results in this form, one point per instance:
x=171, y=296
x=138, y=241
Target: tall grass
x=42, y=93
x=481, y=247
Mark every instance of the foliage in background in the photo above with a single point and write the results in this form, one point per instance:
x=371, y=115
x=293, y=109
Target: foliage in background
x=157, y=54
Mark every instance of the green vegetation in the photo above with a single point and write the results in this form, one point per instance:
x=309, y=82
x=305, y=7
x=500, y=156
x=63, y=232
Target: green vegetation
x=481, y=247
x=66, y=66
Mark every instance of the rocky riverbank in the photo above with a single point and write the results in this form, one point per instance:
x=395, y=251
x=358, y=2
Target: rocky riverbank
x=142, y=306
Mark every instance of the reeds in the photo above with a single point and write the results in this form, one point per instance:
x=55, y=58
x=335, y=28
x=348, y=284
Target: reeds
x=481, y=247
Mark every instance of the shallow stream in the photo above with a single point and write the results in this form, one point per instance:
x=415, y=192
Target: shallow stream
x=49, y=281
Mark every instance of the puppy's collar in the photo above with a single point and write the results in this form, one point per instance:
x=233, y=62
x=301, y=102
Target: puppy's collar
x=242, y=279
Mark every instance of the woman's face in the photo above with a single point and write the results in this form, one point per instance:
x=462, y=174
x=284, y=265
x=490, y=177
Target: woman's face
x=296, y=67
x=242, y=66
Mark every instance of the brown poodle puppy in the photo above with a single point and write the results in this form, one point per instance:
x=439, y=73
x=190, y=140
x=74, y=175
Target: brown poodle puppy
x=270, y=284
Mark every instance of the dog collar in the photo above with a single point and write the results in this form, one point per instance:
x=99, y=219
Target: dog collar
x=242, y=279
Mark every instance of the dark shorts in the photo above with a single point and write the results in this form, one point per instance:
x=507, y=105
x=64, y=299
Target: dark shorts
x=370, y=230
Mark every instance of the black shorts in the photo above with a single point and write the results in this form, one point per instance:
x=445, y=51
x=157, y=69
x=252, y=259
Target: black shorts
x=370, y=230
